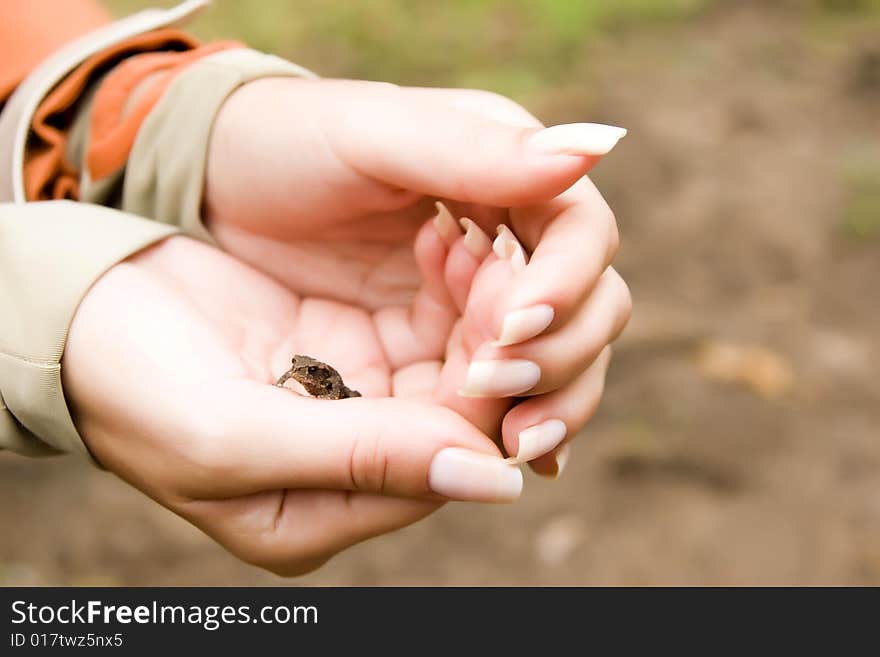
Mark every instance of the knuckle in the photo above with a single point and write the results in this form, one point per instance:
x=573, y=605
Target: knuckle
x=578, y=410
x=617, y=280
x=608, y=353
x=609, y=215
x=592, y=351
x=627, y=300
x=624, y=298
x=582, y=413
x=613, y=234
x=368, y=462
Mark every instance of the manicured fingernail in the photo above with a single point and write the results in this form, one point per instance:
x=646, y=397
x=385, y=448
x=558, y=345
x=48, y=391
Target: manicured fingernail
x=514, y=252
x=539, y=439
x=500, y=378
x=475, y=240
x=506, y=246
x=445, y=224
x=561, y=456
x=505, y=235
x=577, y=139
x=524, y=324
x=461, y=474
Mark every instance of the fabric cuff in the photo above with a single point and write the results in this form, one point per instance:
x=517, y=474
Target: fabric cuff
x=164, y=175
x=50, y=254
x=19, y=110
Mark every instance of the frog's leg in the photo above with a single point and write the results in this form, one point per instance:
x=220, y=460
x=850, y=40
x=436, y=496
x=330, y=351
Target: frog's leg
x=284, y=378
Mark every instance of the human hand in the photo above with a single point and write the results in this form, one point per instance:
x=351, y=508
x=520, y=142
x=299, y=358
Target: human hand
x=168, y=371
x=326, y=185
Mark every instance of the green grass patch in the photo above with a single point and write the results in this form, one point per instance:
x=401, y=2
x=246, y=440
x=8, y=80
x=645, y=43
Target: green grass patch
x=515, y=47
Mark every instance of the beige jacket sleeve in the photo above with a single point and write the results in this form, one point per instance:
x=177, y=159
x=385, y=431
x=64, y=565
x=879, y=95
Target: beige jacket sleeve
x=164, y=175
x=52, y=252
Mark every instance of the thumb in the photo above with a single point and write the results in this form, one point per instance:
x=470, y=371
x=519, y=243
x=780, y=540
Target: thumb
x=435, y=146
x=388, y=446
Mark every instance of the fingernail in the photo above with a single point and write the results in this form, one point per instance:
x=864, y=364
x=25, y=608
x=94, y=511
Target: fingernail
x=514, y=252
x=540, y=439
x=475, y=240
x=524, y=324
x=505, y=235
x=577, y=139
x=561, y=457
x=461, y=474
x=506, y=246
x=445, y=224
x=500, y=378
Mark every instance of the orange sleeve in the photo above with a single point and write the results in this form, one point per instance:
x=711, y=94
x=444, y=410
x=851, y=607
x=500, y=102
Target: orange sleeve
x=126, y=97
x=153, y=58
x=30, y=30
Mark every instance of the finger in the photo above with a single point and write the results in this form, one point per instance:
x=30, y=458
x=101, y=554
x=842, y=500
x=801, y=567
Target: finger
x=483, y=413
x=552, y=465
x=257, y=437
x=417, y=381
x=492, y=282
x=294, y=532
x=412, y=142
x=485, y=103
x=540, y=425
x=572, y=241
x=418, y=332
x=489, y=285
x=465, y=258
x=558, y=356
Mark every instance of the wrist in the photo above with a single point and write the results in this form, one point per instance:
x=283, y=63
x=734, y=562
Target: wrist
x=255, y=146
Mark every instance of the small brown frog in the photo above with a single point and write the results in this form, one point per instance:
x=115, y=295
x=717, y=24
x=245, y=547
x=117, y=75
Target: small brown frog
x=319, y=379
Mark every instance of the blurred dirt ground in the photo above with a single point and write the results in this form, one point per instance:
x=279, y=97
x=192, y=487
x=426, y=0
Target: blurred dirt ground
x=739, y=441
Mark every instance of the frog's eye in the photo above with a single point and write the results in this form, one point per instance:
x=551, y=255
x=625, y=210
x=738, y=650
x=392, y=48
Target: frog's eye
x=313, y=369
